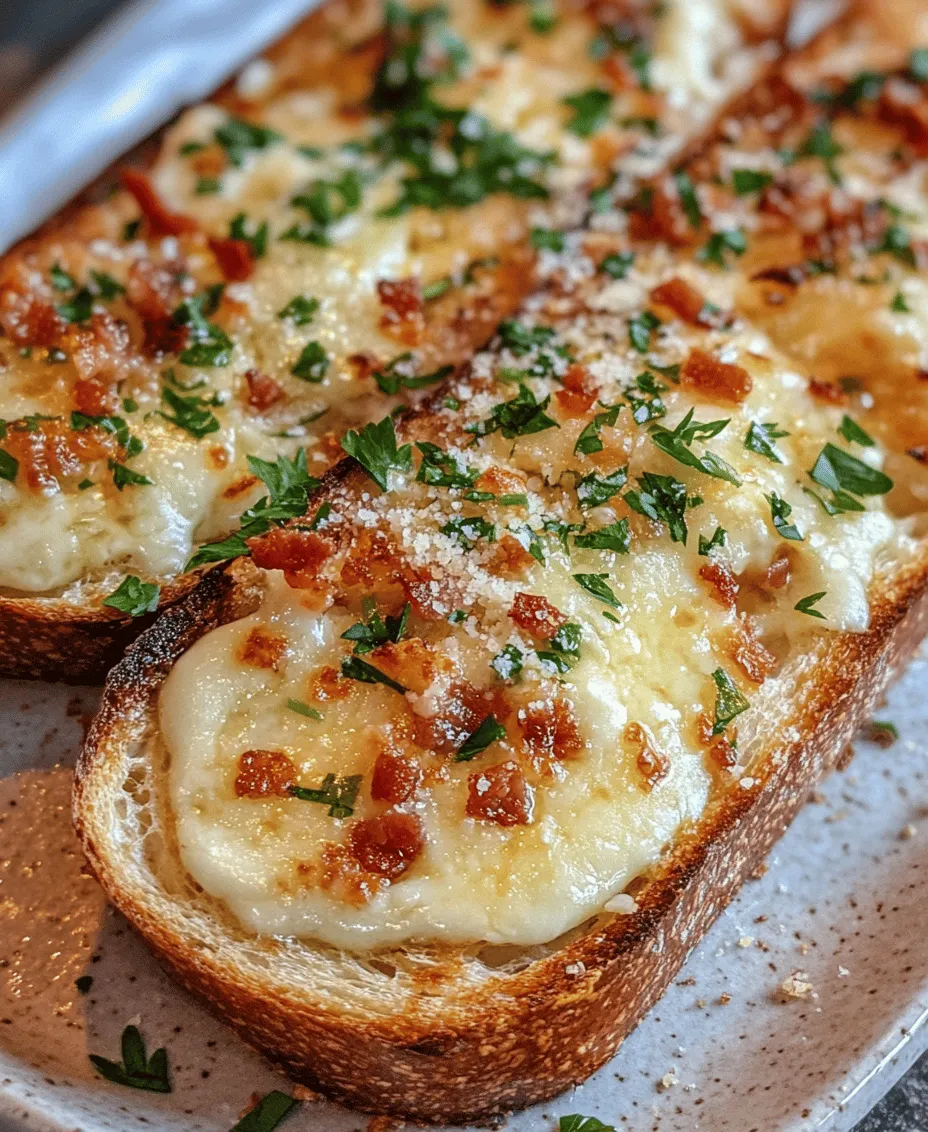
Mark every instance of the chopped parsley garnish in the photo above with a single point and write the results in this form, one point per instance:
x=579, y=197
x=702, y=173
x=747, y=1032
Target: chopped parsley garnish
x=676, y=443
x=563, y=650
x=918, y=64
x=104, y=285
x=508, y=664
x=209, y=344
x=615, y=536
x=135, y=597
x=807, y=604
x=707, y=545
x=267, y=1113
x=897, y=242
x=521, y=416
x=338, y=794
x=598, y=587
x=457, y=617
x=191, y=147
x=522, y=339
x=689, y=201
x=237, y=137
x=589, y=440
x=640, y=329
x=618, y=264
x=820, y=143
x=353, y=668
x=131, y=229
x=327, y=202
x=467, y=529
x=126, y=477
x=79, y=308
x=377, y=630
x=436, y=289
x=312, y=363
x=745, y=181
x=395, y=377
x=780, y=512
x=300, y=310
x=191, y=413
x=899, y=305
x=576, y=1123
x=256, y=239
x=591, y=111
x=853, y=433
x=304, y=709
x=841, y=473
x=760, y=438
x=719, y=244
x=663, y=499
x=206, y=186
x=136, y=1070
x=729, y=701
x=9, y=466
x=440, y=469
x=489, y=731
x=376, y=450
x=288, y=484
x=593, y=490
x=549, y=239
x=61, y=280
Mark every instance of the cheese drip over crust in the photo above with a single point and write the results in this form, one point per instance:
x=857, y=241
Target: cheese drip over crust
x=277, y=192
x=509, y=681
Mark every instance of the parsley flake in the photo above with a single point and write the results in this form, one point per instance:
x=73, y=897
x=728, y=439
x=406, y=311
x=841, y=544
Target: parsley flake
x=589, y=440
x=730, y=702
x=136, y=1070
x=760, y=438
x=135, y=597
x=578, y=1123
x=338, y=794
x=780, y=512
x=521, y=416
x=592, y=490
x=300, y=310
x=598, y=587
x=640, y=329
x=304, y=709
x=806, y=604
x=312, y=364
x=618, y=264
x=676, y=443
x=707, y=545
x=591, y=111
x=490, y=731
x=663, y=499
x=615, y=536
x=719, y=244
x=267, y=1113
x=854, y=434
x=841, y=472
x=745, y=181
x=508, y=664
x=376, y=450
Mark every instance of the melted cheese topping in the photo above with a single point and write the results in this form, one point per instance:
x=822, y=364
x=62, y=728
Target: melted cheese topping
x=517, y=79
x=647, y=671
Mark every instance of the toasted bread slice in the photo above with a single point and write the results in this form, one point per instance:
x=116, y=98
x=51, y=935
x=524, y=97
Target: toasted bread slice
x=567, y=670
x=354, y=273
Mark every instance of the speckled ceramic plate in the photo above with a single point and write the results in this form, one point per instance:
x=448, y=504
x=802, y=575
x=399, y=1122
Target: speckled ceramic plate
x=841, y=911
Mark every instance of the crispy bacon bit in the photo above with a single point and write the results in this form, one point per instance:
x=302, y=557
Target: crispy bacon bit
x=721, y=581
x=153, y=292
x=750, y=654
x=704, y=728
x=652, y=763
x=300, y=554
x=536, y=615
x=26, y=318
x=777, y=573
x=94, y=398
x=685, y=302
x=239, y=486
x=579, y=393
x=99, y=349
x=412, y=663
x=51, y=451
x=236, y=258
x=827, y=391
x=374, y=561
x=461, y=710
x=903, y=104
x=362, y=364
x=395, y=777
x=659, y=215
x=716, y=380
x=510, y=559
x=262, y=649
x=404, y=316
x=388, y=844
x=339, y=872
x=219, y=457
x=329, y=684
x=723, y=753
x=263, y=391
x=501, y=795
x=550, y=729
x=501, y=481
x=161, y=221
x=263, y=774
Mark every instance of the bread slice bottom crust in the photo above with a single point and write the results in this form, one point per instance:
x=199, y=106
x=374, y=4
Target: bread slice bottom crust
x=453, y=1046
